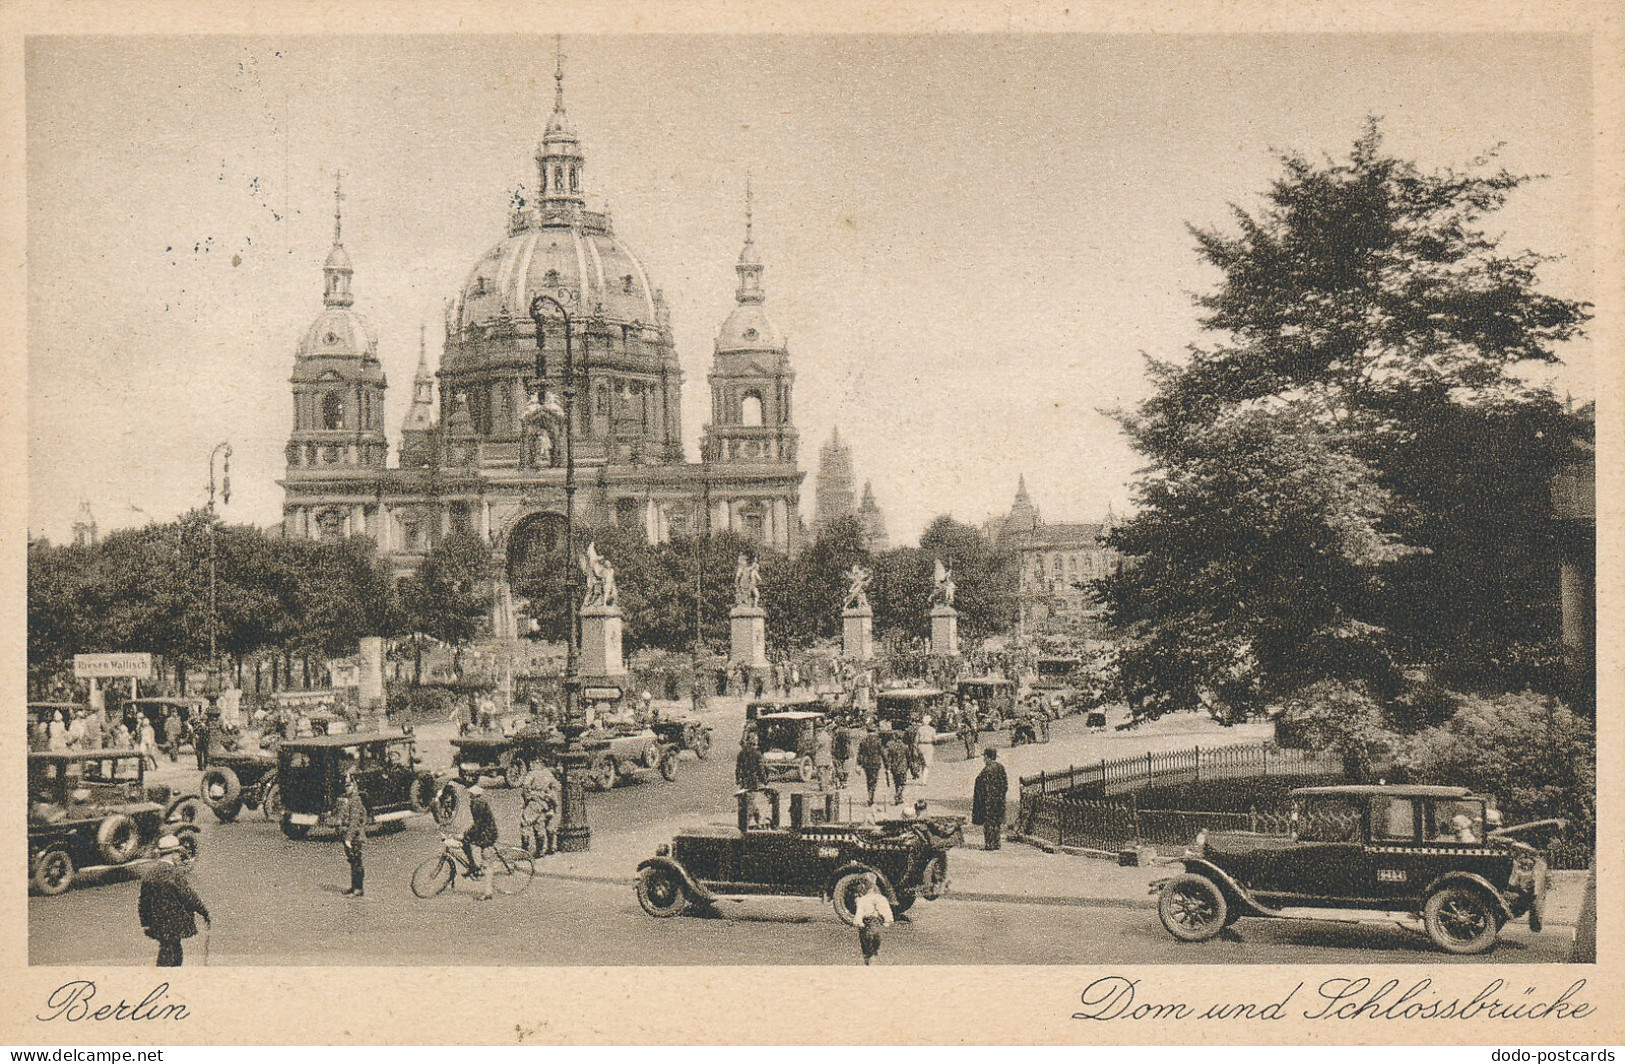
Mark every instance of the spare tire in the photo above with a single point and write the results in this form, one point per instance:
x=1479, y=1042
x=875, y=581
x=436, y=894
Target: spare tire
x=118, y=839
x=449, y=803
x=423, y=792
x=221, y=788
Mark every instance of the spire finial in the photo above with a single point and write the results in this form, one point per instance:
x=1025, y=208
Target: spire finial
x=558, y=72
x=338, y=208
x=749, y=206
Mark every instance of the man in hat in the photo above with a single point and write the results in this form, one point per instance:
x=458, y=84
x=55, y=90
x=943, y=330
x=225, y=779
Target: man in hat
x=871, y=757
x=167, y=903
x=353, y=818
x=987, y=801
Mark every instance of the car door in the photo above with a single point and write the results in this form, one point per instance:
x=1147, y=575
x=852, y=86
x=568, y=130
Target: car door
x=1390, y=866
x=1321, y=863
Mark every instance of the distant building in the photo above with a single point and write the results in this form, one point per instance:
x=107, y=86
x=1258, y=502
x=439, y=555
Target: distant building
x=835, y=494
x=873, y=521
x=84, y=526
x=1058, y=562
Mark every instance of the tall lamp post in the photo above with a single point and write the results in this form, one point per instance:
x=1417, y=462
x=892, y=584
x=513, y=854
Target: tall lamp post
x=574, y=833
x=222, y=451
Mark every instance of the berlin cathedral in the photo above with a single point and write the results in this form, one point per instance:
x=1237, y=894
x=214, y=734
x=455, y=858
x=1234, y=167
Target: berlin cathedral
x=481, y=451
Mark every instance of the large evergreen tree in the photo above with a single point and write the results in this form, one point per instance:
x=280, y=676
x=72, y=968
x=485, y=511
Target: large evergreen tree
x=1349, y=479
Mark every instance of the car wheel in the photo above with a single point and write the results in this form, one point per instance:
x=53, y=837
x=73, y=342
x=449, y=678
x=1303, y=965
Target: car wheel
x=1192, y=908
x=221, y=789
x=227, y=813
x=845, y=896
x=805, y=771
x=934, y=878
x=1537, y=904
x=184, y=811
x=668, y=765
x=905, y=901
x=449, y=802
x=516, y=772
x=292, y=830
x=190, y=848
x=53, y=872
x=661, y=892
x=1461, y=920
x=702, y=743
x=603, y=774
x=650, y=758
x=271, y=803
x=118, y=839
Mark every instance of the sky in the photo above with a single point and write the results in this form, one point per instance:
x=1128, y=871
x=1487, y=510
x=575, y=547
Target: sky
x=971, y=240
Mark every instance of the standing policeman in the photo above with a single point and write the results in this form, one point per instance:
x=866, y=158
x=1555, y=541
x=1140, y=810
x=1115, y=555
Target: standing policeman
x=354, y=826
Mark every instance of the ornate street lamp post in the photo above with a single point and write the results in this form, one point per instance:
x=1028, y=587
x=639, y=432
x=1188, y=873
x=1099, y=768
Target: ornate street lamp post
x=222, y=450
x=574, y=833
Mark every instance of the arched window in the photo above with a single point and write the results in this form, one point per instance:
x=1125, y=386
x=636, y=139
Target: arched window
x=558, y=178
x=750, y=410
x=332, y=411
x=575, y=179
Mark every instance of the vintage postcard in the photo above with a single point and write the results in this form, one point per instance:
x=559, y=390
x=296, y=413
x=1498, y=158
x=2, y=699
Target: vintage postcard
x=1052, y=525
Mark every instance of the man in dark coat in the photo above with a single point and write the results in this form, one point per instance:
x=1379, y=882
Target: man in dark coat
x=871, y=756
x=749, y=773
x=987, y=802
x=899, y=757
x=168, y=902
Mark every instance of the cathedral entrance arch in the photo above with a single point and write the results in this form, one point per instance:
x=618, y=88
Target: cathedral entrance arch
x=532, y=538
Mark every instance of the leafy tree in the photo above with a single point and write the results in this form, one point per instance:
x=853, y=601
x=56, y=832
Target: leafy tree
x=450, y=595
x=1386, y=461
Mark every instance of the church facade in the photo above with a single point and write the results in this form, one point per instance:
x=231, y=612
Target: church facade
x=482, y=445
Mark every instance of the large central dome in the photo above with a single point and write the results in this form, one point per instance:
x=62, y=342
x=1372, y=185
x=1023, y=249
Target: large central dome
x=564, y=252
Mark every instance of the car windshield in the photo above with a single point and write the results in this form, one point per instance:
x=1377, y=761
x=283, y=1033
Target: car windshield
x=778, y=734
x=1458, y=820
x=113, y=770
x=1326, y=818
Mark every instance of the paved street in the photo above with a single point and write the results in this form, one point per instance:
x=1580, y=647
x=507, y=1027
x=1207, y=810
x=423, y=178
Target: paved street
x=277, y=901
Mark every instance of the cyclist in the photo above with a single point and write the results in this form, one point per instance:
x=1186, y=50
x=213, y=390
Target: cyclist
x=481, y=834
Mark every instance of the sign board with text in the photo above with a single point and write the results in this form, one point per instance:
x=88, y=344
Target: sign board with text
x=112, y=666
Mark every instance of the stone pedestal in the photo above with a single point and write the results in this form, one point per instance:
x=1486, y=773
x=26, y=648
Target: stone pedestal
x=601, y=642
x=857, y=634
x=372, y=674
x=748, y=627
x=945, y=631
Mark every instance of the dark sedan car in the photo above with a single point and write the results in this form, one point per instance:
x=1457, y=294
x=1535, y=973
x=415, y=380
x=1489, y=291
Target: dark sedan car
x=310, y=775
x=789, y=843
x=1365, y=851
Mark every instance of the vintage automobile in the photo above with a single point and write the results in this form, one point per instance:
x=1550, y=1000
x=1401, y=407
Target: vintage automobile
x=1365, y=852
x=905, y=706
x=491, y=751
x=91, y=811
x=788, y=741
x=799, y=851
x=310, y=776
x=996, y=696
x=793, y=704
x=240, y=771
x=683, y=732
x=1057, y=677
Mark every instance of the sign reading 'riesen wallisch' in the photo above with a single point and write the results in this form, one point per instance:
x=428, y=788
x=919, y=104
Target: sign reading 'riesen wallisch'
x=110, y=666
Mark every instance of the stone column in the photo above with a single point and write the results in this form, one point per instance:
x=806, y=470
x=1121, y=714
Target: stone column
x=601, y=643
x=748, y=629
x=857, y=634
x=945, y=631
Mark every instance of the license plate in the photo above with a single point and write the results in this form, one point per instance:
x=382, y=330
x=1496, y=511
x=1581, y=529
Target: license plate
x=302, y=818
x=1390, y=875
x=829, y=851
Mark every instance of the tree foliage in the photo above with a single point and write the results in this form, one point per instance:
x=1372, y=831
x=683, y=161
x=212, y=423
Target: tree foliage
x=1349, y=480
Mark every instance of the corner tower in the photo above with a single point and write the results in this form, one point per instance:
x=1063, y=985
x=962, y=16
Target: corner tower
x=338, y=389
x=751, y=379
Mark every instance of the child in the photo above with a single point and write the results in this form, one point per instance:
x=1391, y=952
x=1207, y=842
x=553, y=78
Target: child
x=874, y=912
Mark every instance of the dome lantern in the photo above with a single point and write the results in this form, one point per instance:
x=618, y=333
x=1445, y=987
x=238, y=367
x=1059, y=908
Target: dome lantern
x=337, y=270
x=559, y=162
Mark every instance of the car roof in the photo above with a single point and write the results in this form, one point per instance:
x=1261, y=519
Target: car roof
x=1398, y=790
x=985, y=681
x=793, y=714
x=802, y=700
x=81, y=755
x=323, y=742
x=56, y=705
x=911, y=692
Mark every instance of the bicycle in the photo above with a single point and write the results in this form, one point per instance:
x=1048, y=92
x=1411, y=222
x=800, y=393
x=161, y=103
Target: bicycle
x=511, y=869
